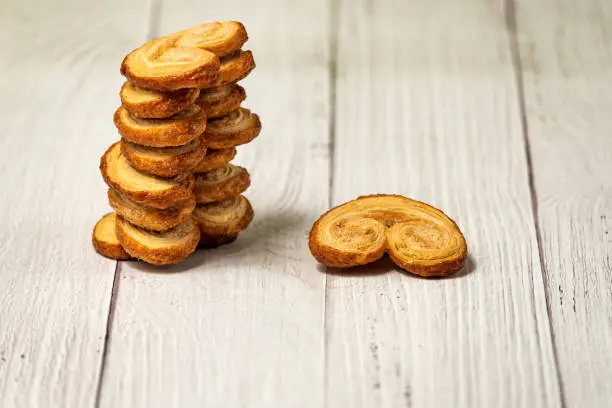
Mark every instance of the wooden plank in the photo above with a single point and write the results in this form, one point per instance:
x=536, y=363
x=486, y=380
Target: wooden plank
x=242, y=325
x=59, y=89
x=566, y=57
x=427, y=107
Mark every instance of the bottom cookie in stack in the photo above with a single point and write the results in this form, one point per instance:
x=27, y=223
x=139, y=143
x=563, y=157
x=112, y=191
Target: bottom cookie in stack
x=105, y=240
x=159, y=248
x=221, y=222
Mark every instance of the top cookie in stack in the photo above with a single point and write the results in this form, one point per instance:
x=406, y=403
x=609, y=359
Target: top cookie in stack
x=175, y=84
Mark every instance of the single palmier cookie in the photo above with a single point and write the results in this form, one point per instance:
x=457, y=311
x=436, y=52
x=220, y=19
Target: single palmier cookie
x=218, y=102
x=149, y=218
x=418, y=237
x=159, y=248
x=142, y=188
x=220, y=184
x=164, y=65
x=239, y=127
x=234, y=68
x=178, y=130
x=214, y=241
x=164, y=161
x=186, y=59
x=214, y=159
x=227, y=217
x=150, y=104
x=105, y=240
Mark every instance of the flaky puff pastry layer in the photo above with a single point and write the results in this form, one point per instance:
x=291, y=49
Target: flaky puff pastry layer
x=150, y=104
x=159, y=248
x=239, y=127
x=104, y=238
x=178, y=130
x=220, y=184
x=218, y=102
x=164, y=161
x=186, y=59
x=214, y=159
x=150, y=218
x=227, y=217
x=142, y=188
x=234, y=68
x=418, y=237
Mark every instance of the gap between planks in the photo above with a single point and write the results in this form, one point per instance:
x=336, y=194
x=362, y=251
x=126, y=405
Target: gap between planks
x=154, y=18
x=333, y=30
x=517, y=66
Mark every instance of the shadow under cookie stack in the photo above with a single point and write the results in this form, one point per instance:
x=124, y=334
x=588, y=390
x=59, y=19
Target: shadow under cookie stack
x=172, y=185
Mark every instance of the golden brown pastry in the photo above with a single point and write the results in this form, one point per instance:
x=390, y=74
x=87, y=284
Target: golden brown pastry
x=418, y=237
x=217, y=102
x=227, y=217
x=159, y=248
x=142, y=188
x=214, y=159
x=178, y=130
x=234, y=68
x=147, y=103
x=164, y=161
x=220, y=184
x=149, y=218
x=239, y=127
x=186, y=59
x=163, y=65
x=105, y=240
x=214, y=241
x=220, y=37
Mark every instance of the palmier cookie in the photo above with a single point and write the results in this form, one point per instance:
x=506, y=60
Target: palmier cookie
x=159, y=248
x=178, y=130
x=239, y=127
x=150, y=104
x=142, y=188
x=214, y=159
x=218, y=102
x=149, y=218
x=234, y=68
x=164, y=161
x=220, y=184
x=186, y=59
x=227, y=217
x=214, y=241
x=418, y=237
x=163, y=65
x=105, y=240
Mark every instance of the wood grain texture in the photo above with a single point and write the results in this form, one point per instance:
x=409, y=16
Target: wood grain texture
x=59, y=89
x=242, y=325
x=427, y=106
x=566, y=55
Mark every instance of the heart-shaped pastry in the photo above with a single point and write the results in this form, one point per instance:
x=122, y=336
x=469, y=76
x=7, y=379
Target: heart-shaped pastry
x=418, y=237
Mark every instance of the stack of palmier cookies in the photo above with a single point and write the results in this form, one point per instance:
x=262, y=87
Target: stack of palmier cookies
x=172, y=185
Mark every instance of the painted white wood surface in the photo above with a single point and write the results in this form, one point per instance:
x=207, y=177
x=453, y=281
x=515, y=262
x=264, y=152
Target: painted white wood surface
x=242, y=326
x=59, y=88
x=566, y=53
x=427, y=107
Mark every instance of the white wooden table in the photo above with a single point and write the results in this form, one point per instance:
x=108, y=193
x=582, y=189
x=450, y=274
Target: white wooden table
x=498, y=113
